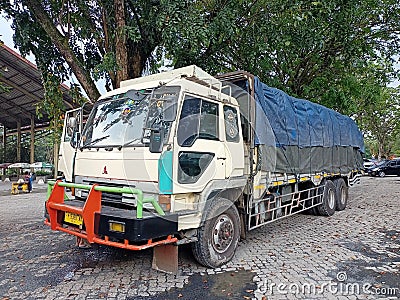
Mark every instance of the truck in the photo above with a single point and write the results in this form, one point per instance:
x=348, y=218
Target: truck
x=186, y=157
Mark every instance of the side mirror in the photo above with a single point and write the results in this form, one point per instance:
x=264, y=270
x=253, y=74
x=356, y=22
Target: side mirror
x=71, y=123
x=156, y=140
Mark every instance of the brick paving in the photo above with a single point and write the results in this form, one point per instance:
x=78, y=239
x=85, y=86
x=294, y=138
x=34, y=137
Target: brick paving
x=354, y=254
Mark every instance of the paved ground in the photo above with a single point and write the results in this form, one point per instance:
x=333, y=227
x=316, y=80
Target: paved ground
x=353, y=255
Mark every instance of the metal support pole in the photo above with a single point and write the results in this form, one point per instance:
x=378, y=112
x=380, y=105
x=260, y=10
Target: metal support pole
x=55, y=155
x=32, y=158
x=18, y=141
x=55, y=162
x=4, y=143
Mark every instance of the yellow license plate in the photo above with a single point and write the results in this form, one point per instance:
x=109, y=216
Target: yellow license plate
x=117, y=227
x=73, y=218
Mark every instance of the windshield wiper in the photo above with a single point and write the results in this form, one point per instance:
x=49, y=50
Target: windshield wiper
x=95, y=141
x=131, y=142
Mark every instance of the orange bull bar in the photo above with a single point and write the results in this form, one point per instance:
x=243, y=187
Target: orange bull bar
x=55, y=204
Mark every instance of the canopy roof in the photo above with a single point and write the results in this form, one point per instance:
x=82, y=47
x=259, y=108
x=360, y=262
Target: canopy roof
x=27, y=90
x=41, y=165
x=20, y=165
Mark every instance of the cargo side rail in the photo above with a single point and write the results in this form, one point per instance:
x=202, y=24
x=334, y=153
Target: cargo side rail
x=268, y=210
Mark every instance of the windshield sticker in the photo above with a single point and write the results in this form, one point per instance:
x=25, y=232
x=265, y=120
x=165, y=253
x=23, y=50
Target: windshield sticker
x=129, y=102
x=126, y=111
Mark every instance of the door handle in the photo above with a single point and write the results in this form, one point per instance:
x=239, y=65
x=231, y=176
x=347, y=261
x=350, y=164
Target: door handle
x=223, y=158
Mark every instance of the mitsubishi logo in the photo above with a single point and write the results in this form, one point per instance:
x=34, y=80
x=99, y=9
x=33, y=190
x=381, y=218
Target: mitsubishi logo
x=105, y=170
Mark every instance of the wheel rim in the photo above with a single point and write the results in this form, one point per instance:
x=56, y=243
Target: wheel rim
x=331, y=199
x=223, y=233
x=382, y=174
x=343, y=195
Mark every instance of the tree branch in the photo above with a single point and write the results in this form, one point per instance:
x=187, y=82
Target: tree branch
x=62, y=45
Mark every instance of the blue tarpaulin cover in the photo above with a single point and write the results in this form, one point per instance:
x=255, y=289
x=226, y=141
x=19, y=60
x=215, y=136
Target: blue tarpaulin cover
x=301, y=123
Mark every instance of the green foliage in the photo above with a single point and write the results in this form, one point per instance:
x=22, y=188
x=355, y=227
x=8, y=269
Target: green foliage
x=108, y=64
x=44, y=143
x=396, y=146
x=11, y=153
x=82, y=36
x=338, y=53
x=11, y=171
x=302, y=47
x=42, y=173
x=52, y=104
x=3, y=87
x=379, y=117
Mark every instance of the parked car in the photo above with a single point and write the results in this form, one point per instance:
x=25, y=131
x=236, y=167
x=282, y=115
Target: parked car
x=386, y=167
x=368, y=163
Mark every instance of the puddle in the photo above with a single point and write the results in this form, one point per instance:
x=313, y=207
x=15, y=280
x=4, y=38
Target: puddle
x=373, y=274
x=227, y=285
x=382, y=268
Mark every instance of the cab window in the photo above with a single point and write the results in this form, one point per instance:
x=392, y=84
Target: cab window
x=198, y=120
x=231, y=124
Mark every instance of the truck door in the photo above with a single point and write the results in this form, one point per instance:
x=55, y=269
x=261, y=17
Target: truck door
x=70, y=142
x=234, y=150
x=199, y=153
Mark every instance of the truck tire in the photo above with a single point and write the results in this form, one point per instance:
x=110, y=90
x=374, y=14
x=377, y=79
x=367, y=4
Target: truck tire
x=328, y=205
x=219, y=235
x=342, y=194
x=312, y=210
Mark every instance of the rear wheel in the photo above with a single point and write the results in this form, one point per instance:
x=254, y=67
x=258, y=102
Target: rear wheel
x=328, y=205
x=342, y=194
x=219, y=236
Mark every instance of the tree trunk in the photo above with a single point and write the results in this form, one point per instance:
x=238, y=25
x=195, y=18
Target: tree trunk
x=61, y=42
x=381, y=150
x=138, y=56
x=120, y=43
x=136, y=65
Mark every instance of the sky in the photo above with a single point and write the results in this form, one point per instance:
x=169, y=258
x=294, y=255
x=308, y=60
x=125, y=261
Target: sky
x=6, y=34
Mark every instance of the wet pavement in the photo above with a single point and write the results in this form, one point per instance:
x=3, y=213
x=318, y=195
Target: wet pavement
x=354, y=254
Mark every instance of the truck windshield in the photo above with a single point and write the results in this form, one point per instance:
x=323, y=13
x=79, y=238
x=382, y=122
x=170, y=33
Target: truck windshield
x=127, y=119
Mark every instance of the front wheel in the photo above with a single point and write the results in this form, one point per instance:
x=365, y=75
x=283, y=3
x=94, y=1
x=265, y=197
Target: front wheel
x=219, y=235
x=382, y=174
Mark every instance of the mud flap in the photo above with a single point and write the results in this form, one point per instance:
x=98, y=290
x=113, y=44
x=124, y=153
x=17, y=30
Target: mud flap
x=165, y=258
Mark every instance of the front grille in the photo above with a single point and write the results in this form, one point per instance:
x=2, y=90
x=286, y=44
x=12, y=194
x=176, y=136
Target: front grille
x=112, y=199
